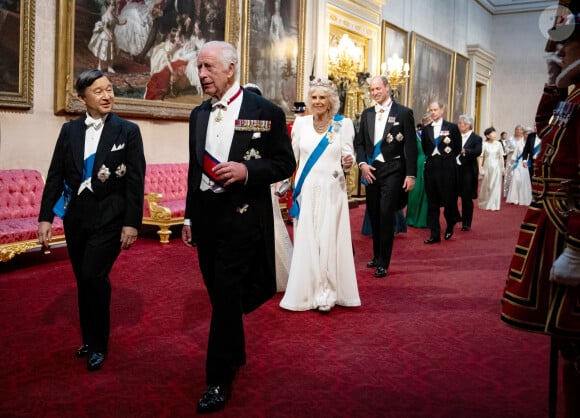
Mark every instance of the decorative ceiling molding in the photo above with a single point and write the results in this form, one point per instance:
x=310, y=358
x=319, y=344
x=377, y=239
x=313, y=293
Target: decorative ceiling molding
x=369, y=10
x=498, y=7
x=352, y=23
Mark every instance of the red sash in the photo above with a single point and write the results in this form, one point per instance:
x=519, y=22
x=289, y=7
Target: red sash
x=209, y=162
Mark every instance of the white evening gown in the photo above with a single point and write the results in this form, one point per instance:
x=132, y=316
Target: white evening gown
x=520, y=187
x=132, y=36
x=322, y=273
x=490, y=191
x=282, y=243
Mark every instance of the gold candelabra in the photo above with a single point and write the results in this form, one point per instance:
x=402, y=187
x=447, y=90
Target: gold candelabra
x=396, y=70
x=344, y=60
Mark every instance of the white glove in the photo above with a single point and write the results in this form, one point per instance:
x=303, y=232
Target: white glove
x=554, y=63
x=566, y=268
x=285, y=185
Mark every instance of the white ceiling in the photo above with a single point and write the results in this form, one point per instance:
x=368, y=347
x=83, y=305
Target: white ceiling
x=515, y=6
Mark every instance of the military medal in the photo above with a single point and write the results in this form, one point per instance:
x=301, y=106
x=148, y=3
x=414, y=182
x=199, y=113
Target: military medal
x=218, y=118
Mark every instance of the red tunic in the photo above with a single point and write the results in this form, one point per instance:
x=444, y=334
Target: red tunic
x=531, y=301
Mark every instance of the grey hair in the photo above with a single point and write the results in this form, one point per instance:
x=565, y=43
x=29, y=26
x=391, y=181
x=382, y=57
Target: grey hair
x=466, y=119
x=228, y=55
x=330, y=92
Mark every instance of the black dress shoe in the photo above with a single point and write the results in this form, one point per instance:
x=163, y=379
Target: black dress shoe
x=96, y=361
x=214, y=399
x=372, y=264
x=448, y=235
x=465, y=228
x=432, y=240
x=380, y=272
x=82, y=351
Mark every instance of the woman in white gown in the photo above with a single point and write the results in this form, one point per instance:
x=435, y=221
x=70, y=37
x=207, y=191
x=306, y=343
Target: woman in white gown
x=282, y=242
x=492, y=169
x=518, y=184
x=133, y=36
x=322, y=273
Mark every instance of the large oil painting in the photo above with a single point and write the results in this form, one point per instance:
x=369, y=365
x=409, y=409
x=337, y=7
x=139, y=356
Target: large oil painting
x=460, y=73
x=272, y=39
x=147, y=47
x=16, y=53
x=431, y=67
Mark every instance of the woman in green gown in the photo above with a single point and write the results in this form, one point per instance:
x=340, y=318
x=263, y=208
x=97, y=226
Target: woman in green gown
x=417, y=203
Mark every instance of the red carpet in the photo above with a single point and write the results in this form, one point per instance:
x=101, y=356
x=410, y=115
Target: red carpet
x=426, y=342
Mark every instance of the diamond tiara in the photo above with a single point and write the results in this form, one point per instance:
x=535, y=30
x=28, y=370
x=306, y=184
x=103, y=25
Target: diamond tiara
x=321, y=82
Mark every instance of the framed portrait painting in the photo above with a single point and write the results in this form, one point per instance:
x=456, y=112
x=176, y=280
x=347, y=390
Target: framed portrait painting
x=272, y=35
x=147, y=47
x=431, y=67
x=395, y=41
x=459, y=96
x=16, y=53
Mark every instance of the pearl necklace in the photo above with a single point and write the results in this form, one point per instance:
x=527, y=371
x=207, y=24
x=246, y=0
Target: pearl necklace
x=321, y=126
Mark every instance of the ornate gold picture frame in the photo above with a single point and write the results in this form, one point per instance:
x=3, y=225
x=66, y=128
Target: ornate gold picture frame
x=431, y=71
x=272, y=35
x=157, y=79
x=17, y=52
x=460, y=77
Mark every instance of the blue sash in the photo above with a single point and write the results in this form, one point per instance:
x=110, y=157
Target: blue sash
x=372, y=159
x=295, y=209
x=61, y=205
x=537, y=148
x=518, y=158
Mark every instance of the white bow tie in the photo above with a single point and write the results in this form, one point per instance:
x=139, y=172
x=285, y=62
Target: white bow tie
x=95, y=123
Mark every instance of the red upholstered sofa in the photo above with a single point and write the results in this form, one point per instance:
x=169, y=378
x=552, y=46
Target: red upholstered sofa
x=20, y=196
x=165, y=193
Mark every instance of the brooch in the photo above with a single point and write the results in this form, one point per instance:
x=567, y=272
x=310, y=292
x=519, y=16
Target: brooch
x=389, y=138
x=446, y=140
x=121, y=170
x=336, y=124
x=242, y=209
x=103, y=173
x=399, y=137
x=252, y=154
x=447, y=150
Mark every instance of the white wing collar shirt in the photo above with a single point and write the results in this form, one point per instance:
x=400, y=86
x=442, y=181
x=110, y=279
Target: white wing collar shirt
x=381, y=116
x=464, y=138
x=220, y=130
x=92, y=137
x=437, y=128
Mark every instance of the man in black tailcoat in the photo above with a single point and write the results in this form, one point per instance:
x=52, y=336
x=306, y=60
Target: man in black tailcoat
x=468, y=169
x=95, y=183
x=386, y=148
x=238, y=145
x=441, y=143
